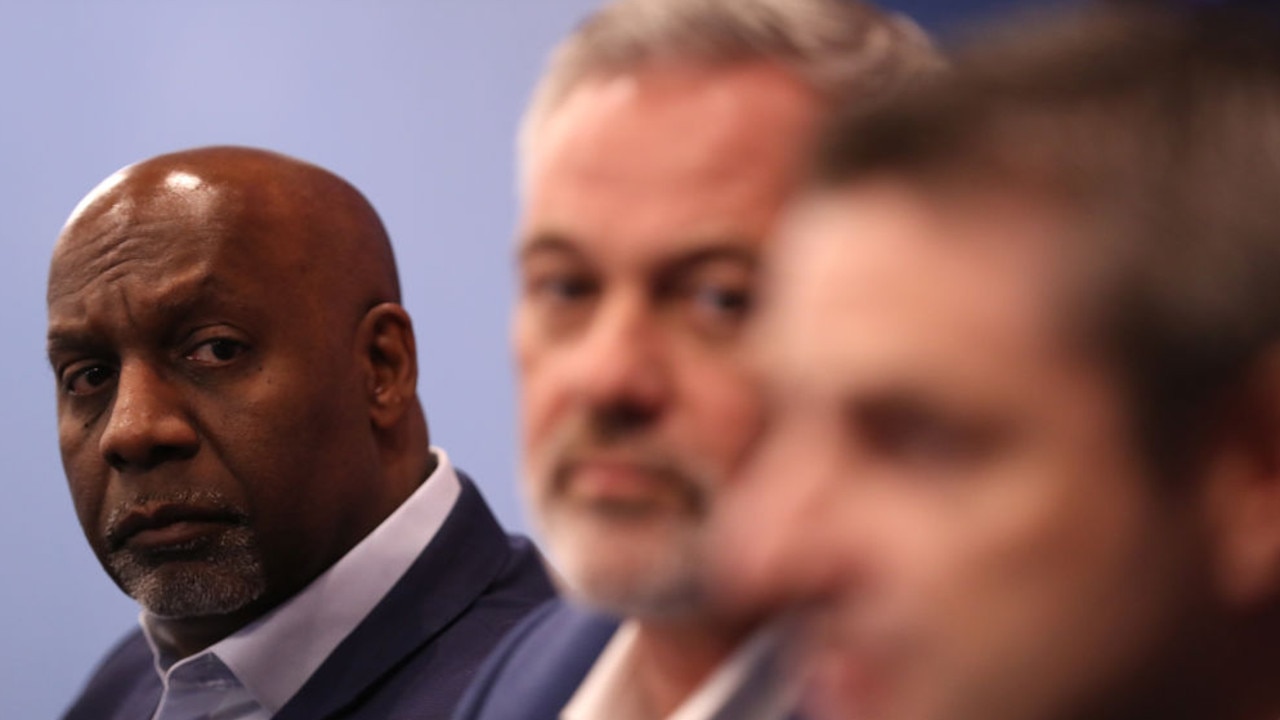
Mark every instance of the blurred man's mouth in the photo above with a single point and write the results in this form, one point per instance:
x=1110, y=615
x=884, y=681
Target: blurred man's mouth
x=623, y=485
x=613, y=481
x=853, y=669
x=841, y=685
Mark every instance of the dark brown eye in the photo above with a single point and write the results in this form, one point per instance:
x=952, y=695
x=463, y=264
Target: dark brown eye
x=89, y=380
x=217, y=351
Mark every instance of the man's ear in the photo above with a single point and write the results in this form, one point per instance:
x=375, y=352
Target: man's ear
x=389, y=356
x=1244, y=493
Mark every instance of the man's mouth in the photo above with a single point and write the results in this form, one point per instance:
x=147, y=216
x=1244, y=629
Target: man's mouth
x=855, y=667
x=159, y=527
x=612, y=482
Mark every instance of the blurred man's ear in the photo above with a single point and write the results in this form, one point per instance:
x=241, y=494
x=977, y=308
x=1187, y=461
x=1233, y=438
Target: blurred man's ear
x=1243, y=493
x=389, y=356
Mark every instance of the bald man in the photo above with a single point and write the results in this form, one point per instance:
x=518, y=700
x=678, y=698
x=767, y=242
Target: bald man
x=239, y=424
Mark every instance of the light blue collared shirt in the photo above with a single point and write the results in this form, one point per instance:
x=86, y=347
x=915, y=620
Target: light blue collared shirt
x=252, y=674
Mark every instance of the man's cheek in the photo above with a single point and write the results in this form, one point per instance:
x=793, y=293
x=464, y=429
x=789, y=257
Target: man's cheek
x=541, y=404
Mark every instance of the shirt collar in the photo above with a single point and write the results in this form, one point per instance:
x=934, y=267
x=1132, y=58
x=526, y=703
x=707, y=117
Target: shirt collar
x=306, y=628
x=609, y=686
x=748, y=685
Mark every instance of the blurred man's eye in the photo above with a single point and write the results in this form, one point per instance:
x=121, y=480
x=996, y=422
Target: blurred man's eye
x=556, y=281
x=557, y=299
x=560, y=288
x=717, y=311
x=717, y=300
x=915, y=435
x=723, y=302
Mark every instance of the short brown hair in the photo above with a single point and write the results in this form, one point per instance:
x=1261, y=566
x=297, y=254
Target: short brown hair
x=1160, y=133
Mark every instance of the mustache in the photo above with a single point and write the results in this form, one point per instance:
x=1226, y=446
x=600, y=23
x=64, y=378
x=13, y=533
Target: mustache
x=123, y=518
x=585, y=440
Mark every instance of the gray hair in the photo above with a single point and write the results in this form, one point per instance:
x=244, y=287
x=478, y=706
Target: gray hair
x=841, y=48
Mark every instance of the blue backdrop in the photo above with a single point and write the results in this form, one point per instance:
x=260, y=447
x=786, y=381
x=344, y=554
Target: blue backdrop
x=414, y=102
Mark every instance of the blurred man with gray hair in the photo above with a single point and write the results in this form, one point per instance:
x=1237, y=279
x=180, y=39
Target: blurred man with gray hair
x=656, y=155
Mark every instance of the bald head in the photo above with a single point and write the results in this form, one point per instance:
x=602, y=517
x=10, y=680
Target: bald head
x=312, y=222
x=225, y=329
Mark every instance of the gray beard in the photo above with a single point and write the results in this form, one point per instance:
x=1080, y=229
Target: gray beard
x=653, y=574
x=226, y=578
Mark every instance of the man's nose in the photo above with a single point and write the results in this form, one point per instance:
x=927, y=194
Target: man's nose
x=774, y=526
x=623, y=359
x=147, y=423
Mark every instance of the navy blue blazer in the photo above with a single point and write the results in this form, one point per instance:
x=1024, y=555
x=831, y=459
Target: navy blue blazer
x=536, y=670
x=410, y=659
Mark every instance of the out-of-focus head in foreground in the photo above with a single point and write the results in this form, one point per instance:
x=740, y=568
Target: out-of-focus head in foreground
x=656, y=155
x=1023, y=352
x=236, y=381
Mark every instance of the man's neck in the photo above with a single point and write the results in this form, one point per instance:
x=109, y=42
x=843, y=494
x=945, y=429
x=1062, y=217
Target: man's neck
x=673, y=658
x=191, y=636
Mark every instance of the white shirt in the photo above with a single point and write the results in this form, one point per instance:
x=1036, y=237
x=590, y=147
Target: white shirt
x=749, y=685
x=252, y=674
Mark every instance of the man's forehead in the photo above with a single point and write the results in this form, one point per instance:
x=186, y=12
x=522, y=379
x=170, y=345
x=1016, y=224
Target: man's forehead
x=661, y=178
x=868, y=241
x=178, y=206
x=667, y=131
x=873, y=277
x=618, y=253
x=157, y=225
x=160, y=296
x=134, y=184
x=176, y=227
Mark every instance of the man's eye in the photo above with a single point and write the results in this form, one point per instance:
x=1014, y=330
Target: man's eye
x=217, y=351
x=728, y=301
x=88, y=380
x=928, y=442
x=717, y=309
x=915, y=436
x=562, y=288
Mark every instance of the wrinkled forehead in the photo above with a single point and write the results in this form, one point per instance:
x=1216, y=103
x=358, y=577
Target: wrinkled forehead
x=163, y=218
x=124, y=189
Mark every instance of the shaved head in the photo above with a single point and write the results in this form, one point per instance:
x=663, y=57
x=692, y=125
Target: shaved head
x=319, y=225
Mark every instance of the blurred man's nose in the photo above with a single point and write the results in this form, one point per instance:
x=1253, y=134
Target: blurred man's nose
x=621, y=365
x=147, y=423
x=775, y=525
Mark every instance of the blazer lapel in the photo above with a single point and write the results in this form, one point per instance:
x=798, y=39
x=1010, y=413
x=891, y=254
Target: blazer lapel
x=464, y=558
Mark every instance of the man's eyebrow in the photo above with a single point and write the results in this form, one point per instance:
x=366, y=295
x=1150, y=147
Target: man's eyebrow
x=730, y=250
x=69, y=338
x=68, y=341
x=548, y=243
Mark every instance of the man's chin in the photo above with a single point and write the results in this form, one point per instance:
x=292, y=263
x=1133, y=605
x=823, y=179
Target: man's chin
x=191, y=598
x=630, y=564
x=188, y=590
